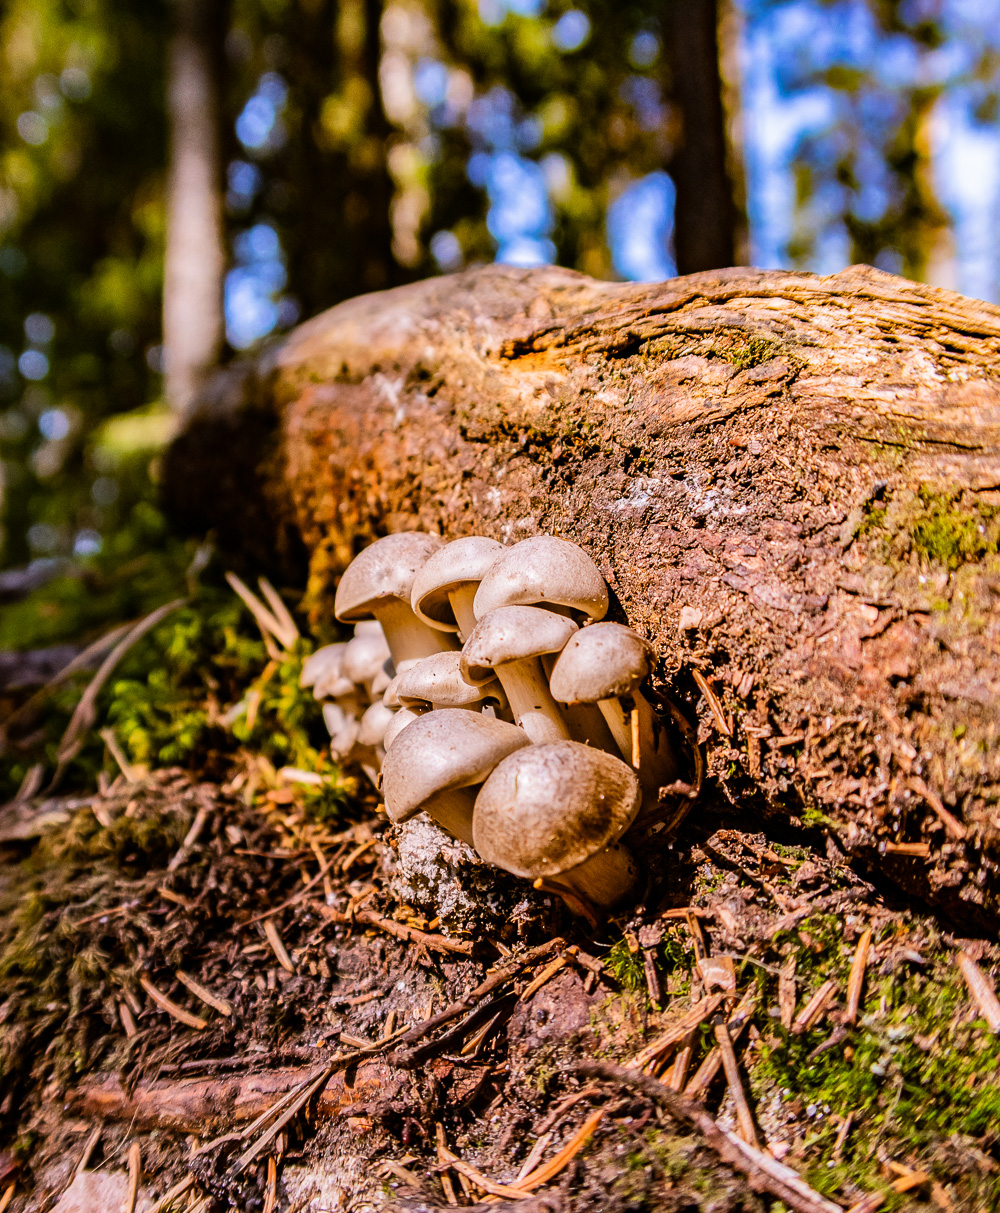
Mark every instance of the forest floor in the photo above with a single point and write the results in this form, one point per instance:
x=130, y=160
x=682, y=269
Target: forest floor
x=249, y=991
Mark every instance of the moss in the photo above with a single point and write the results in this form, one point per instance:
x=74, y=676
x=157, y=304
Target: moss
x=948, y=535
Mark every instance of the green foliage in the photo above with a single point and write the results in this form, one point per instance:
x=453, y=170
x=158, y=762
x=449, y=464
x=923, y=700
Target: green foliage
x=625, y=966
x=954, y=536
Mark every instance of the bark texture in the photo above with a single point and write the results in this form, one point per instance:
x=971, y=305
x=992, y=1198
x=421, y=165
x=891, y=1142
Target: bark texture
x=791, y=484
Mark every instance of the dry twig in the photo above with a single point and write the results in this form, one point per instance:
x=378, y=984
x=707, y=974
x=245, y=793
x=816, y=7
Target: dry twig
x=744, y=1117
x=278, y=947
x=206, y=995
x=763, y=1173
x=171, y=1008
x=134, y=1175
x=857, y=977
x=813, y=1011
x=981, y=989
x=677, y=1031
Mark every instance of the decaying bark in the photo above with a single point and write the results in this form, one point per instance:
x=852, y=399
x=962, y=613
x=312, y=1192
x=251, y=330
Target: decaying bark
x=791, y=484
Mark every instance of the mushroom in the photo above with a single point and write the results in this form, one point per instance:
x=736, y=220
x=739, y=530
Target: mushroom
x=365, y=658
x=374, y=723
x=437, y=682
x=546, y=570
x=555, y=813
x=377, y=584
x=604, y=664
x=510, y=641
x=444, y=588
x=343, y=726
x=436, y=764
x=400, y=719
x=324, y=672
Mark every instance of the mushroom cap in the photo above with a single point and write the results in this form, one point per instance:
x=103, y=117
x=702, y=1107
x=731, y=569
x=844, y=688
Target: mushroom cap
x=548, y=808
x=374, y=723
x=364, y=657
x=343, y=729
x=321, y=664
x=512, y=633
x=438, y=680
x=461, y=562
x=445, y=749
x=602, y=661
x=544, y=569
x=400, y=720
x=384, y=570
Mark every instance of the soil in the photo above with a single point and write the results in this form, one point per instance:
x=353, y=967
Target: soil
x=102, y=907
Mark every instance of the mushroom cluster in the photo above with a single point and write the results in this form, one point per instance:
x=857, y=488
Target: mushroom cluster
x=485, y=684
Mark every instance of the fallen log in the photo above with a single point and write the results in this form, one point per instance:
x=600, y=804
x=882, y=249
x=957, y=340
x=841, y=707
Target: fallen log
x=791, y=484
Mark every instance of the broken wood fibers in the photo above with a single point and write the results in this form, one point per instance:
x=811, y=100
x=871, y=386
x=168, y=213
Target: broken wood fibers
x=808, y=468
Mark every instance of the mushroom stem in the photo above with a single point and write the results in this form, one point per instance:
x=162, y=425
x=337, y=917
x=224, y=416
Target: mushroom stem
x=619, y=724
x=408, y=638
x=656, y=763
x=531, y=701
x=452, y=810
x=461, y=599
x=604, y=879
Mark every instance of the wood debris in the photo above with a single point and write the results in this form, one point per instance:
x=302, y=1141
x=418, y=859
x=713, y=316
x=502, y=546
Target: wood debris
x=856, y=980
x=744, y=1117
x=278, y=947
x=697, y=1014
x=206, y=995
x=171, y=1008
x=981, y=989
x=815, y=1008
x=134, y=1175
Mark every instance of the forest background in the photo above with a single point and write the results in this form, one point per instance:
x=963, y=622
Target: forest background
x=281, y=155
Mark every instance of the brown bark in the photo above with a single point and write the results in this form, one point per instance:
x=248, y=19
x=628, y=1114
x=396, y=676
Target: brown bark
x=194, y=259
x=705, y=213
x=791, y=484
x=211, y=1105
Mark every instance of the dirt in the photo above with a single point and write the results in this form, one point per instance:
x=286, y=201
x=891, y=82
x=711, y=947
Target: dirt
x=371, y=1140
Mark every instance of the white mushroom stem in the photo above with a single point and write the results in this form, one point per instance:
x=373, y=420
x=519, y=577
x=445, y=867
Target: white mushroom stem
x=604, y=879
x=408, y=638
x=531, y=700
x=588, y=725
x=452, y=810
x=461, y=599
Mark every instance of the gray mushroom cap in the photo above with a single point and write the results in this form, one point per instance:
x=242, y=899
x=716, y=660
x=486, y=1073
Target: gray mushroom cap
x=438, y=680
x=386, y=569
x=549, y=808
x=443, y=750
x=373, y=724
x=512, y=633
x=321, y=664
x=365, y=656
x=602, y=661
x=461, y=562
x=544, y=569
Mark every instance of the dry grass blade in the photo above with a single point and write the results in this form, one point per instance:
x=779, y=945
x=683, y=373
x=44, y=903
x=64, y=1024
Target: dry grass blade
x=981, y=989
x=171, y=1008
x=134, y=1175
x=744, y=1117
x=8, y=1196
x=281, y=612
x=715, y=706
x=306, y=1091
x=174, y=1194
x=85, y=714
x=477, y=1177
x=677, y=1031
x=268, y=623
x=118, y=754
x=546, y=975
x=555, y=1164
x=278, y=947
x=763, y=1172
x=812, y=1012
x=857, y=978
x=206, y=995
x=535, y=1154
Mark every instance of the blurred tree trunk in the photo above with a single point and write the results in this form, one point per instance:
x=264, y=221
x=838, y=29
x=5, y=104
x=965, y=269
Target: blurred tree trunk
x=340, y=242
x=195, y=253
x=706, y=219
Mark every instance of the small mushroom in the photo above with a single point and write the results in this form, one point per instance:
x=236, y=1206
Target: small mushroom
x=444, y=588
x=606, y=663
x=377, y=584
x=400, y=719
x=510, y=642
x=374, y=723
x=365, y=658
x=544, y=570
x=437, y=682
x=323, y=671
x=556, y=813
x=437, y=763
x=343, y=726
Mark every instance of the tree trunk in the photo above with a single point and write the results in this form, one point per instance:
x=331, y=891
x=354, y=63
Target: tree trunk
x=705, y=213
x=790, y=483
x=195, y=258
